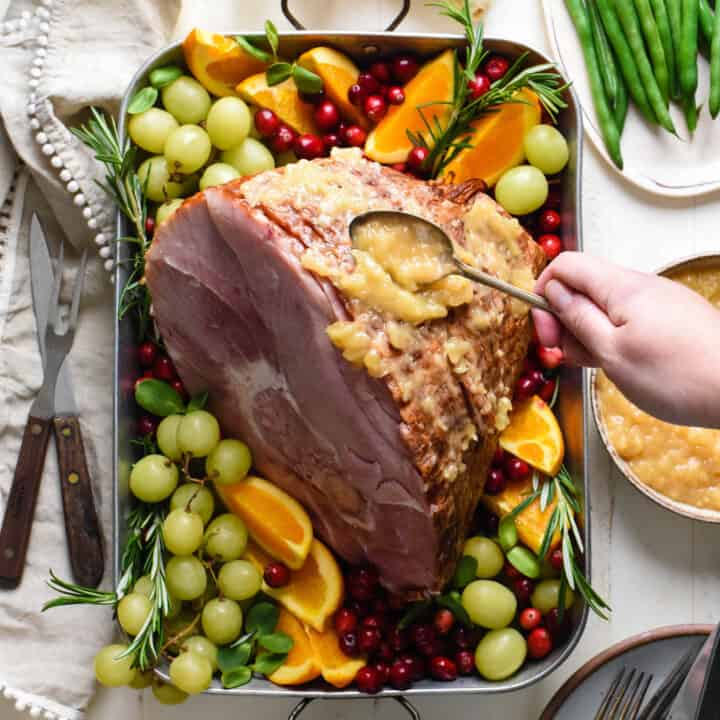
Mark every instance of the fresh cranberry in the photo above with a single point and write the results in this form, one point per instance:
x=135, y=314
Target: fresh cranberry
x=385, y=652
x=417, y=158
x=559, y=630
x=498, y=457
x=556, y=559
x=496, y=481
x=327, y=116
x=360, y=607
x=381, y=70
x=551, y=245
x=147, y=352
x=357, y=94
x=349, y=644
x=374, y=621
x=331, y=140
x=283, y=139
x=395, y=95
x=375, y=107
x=266, y=123
x=179, y=388
x=149, y=226
x=368, y=639
x=380, y=607
x=550, y=357
x=147, y=425
x=496, y=67
x=400, y=167
x=516, y=468
x=511, y=572
x=547, y=390
x=163, y=368
x=443, y=668
x=530, y=618
x=384, y=669
x=539, y=643
x=423, y=634
x=309, y=147
x=355, y=136
x=523, y=588
x=404, y=68
x=345, y=621
x=537, y=377
x=401, y=675
x=443, y=621
x=369, y=84
x=525, y=388
x=369, y=680
x=529, y=364
x=366, y=576
x=416, y=665
x=399, y=639
x=478, y=86
x=549, y=221
x=276, y=574
x=465, y=662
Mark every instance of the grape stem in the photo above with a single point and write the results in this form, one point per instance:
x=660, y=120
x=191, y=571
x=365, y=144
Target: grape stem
x=179, y=636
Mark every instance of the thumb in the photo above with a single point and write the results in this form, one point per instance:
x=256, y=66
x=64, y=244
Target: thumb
x=581, y=318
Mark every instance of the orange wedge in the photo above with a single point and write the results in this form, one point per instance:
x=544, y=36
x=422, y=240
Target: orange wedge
x=314, y=592
x=218, y=62
x=338, y=72
x=336, y=667
x=497, y=142
x=388, y=142
x=275, y=521
x=534, y=436
x=531, y=522
x=283, y=99
x=301, y=665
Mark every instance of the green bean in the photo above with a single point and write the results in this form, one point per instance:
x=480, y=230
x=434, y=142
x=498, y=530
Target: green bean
x=631, y=25
x=621, y=105
x=624, y=57
x=691, y=113
x=715, y=67
x=706, y=18
x=609, y=130
x=687, y=59
x=663, y=25
x=654, y=46
x=604, y=54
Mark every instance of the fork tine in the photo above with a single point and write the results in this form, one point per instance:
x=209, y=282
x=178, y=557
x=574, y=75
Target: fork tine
x=54, y=308
x=612, y=690
x=616, y=709
x=77, y=292
x=638, y=696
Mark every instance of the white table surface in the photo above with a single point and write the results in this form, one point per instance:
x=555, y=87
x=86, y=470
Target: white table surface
x=656, y=569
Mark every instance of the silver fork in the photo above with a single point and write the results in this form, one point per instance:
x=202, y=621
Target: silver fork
x=624, y=696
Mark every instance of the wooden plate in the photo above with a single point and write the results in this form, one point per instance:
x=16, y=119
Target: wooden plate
x=655, y=651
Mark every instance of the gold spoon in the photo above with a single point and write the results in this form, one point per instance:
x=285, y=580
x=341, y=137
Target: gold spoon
x=447, y=256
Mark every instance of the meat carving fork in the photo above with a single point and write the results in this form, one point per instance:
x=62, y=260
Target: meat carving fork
x=54, y=407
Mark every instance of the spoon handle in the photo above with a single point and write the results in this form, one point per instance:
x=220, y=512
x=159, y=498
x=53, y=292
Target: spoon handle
x=518, y=293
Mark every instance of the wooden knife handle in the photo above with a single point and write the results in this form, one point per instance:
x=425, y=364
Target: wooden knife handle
x=84, y=536
x=20, y=509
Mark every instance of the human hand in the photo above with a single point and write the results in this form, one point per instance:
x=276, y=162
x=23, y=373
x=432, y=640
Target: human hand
x=658, y=341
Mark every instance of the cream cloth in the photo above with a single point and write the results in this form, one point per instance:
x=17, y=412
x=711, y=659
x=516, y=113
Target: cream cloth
x=61, y=56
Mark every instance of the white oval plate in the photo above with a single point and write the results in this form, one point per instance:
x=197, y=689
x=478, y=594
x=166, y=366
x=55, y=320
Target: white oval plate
x=654, y=159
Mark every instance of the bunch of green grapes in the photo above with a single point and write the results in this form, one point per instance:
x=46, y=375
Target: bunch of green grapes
x=194, y=141
x=208, y=583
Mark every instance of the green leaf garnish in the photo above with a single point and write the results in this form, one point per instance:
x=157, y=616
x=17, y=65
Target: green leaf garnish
x=413, y=613
x=236, y=677
x=231, y=658
x=306, y=81
x=158, y=398
x=198, y=402
x=268, y=663
x=465, y=571
x=452, y=602
x=278, y=642
x=162, y=76
x=278, y=72
x=262, y=618
x=271, y=34
x=253, y=51
x=142, y=100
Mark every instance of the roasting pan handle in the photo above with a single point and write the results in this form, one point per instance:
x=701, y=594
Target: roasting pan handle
x=402, y=701
x=404, y=10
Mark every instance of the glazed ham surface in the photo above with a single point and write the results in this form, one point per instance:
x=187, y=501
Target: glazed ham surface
x=390, y=467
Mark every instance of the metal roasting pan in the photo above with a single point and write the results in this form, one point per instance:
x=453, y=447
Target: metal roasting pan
x=573, y=402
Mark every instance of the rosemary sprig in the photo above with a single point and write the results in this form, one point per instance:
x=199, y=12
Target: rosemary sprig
x=445, y=141
x=123, y=186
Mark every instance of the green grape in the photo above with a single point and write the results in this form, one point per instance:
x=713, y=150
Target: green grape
x=166, y=211
x=143, y=585
x=285, y=158
x=253, y=131
x=183, y=531
x=226, y=538
x=521, y=190
x=487, y=553
x=187, y=149
x=153, y=478
x=198, y=433
x=112, y=670
x=181, y=624
x=211, y=592
x=228, y=122
x=546, y=149
x=186, y=577
x=154, y=177
x=186, y=100
x=167, y=694
x=202, y=646
x=500, y=654
x=489, y=604
x=142, y=680
x=249, y=157
x=218, y=174
x=546, y=596
x=133, y=611
x=239, y=580
x=222, y=621
x=191, y=673
x=150, y=129
x=200, y=498
x=229, y=462
x=167, y=436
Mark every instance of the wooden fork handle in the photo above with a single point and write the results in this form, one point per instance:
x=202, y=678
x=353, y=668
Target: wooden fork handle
x=20, y=508
x=84, y=536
